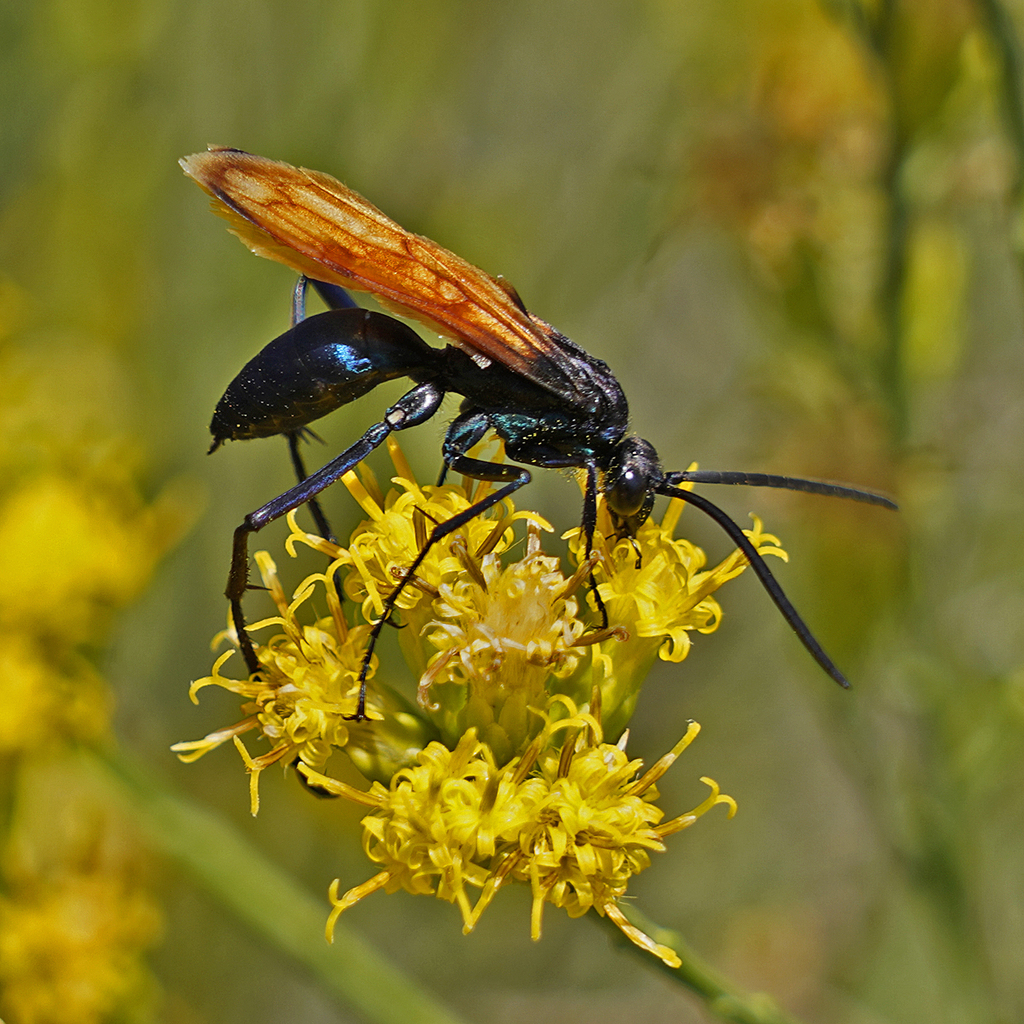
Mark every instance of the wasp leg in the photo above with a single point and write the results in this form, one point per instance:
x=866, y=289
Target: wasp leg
x=299, y=300
x=299, y=465
x=414, y=407
x=333, y=295
x=589, y=524
x=514, y=477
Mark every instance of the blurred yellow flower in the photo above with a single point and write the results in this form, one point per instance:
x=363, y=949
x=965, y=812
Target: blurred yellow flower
x=70, y=948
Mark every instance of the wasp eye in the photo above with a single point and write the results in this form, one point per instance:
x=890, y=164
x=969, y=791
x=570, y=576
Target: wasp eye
x=629, y=491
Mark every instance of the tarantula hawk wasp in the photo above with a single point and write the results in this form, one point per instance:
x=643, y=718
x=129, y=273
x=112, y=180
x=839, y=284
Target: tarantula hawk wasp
x=554, y=405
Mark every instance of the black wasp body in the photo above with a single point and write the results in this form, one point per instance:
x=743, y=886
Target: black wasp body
x=554, y=405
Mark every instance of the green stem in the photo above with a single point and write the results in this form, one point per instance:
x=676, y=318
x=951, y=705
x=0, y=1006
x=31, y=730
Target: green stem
x=878, y=41
x=270, y=902
x=874, y=29
x=1003, y=35
x=894, y=276
x=722, y=998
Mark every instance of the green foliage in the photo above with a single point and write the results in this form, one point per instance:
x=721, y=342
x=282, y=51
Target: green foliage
x=794, y=233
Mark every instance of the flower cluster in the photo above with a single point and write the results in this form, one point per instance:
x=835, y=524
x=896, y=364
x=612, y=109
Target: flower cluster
x=78, y=541
x=574, y=820
x=75, y=918
x=494, y=768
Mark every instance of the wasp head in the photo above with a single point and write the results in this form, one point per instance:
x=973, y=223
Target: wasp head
x=629, y=484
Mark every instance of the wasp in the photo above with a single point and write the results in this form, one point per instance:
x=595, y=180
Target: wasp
x=553, y=404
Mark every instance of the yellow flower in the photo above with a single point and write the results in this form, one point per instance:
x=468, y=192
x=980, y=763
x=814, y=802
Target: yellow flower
x=304, y=698
x=572, y=818
x=77, y=542
x=70, y=949
x=502, y=635
x=491, y=767
x=488, y=637
x=49, y=697
x=109, y=543
x=76, y=911
x=384, y=545
x=656, y=588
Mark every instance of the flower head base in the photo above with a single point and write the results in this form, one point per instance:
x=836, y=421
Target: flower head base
x=570, y=818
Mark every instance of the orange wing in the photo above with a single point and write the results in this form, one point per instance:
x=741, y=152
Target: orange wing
x=312, y=223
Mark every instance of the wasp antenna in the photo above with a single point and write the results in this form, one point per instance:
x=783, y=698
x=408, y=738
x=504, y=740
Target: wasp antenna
x=788, y=483
x=763, y=573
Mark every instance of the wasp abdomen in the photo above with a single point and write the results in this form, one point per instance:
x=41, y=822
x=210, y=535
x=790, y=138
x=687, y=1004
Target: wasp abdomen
x=322, y=363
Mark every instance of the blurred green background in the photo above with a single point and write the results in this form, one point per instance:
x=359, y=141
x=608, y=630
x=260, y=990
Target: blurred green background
x=794, y=231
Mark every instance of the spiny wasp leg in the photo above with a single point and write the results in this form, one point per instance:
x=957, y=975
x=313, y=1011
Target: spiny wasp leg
x=516, y=477
x=414, y=407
